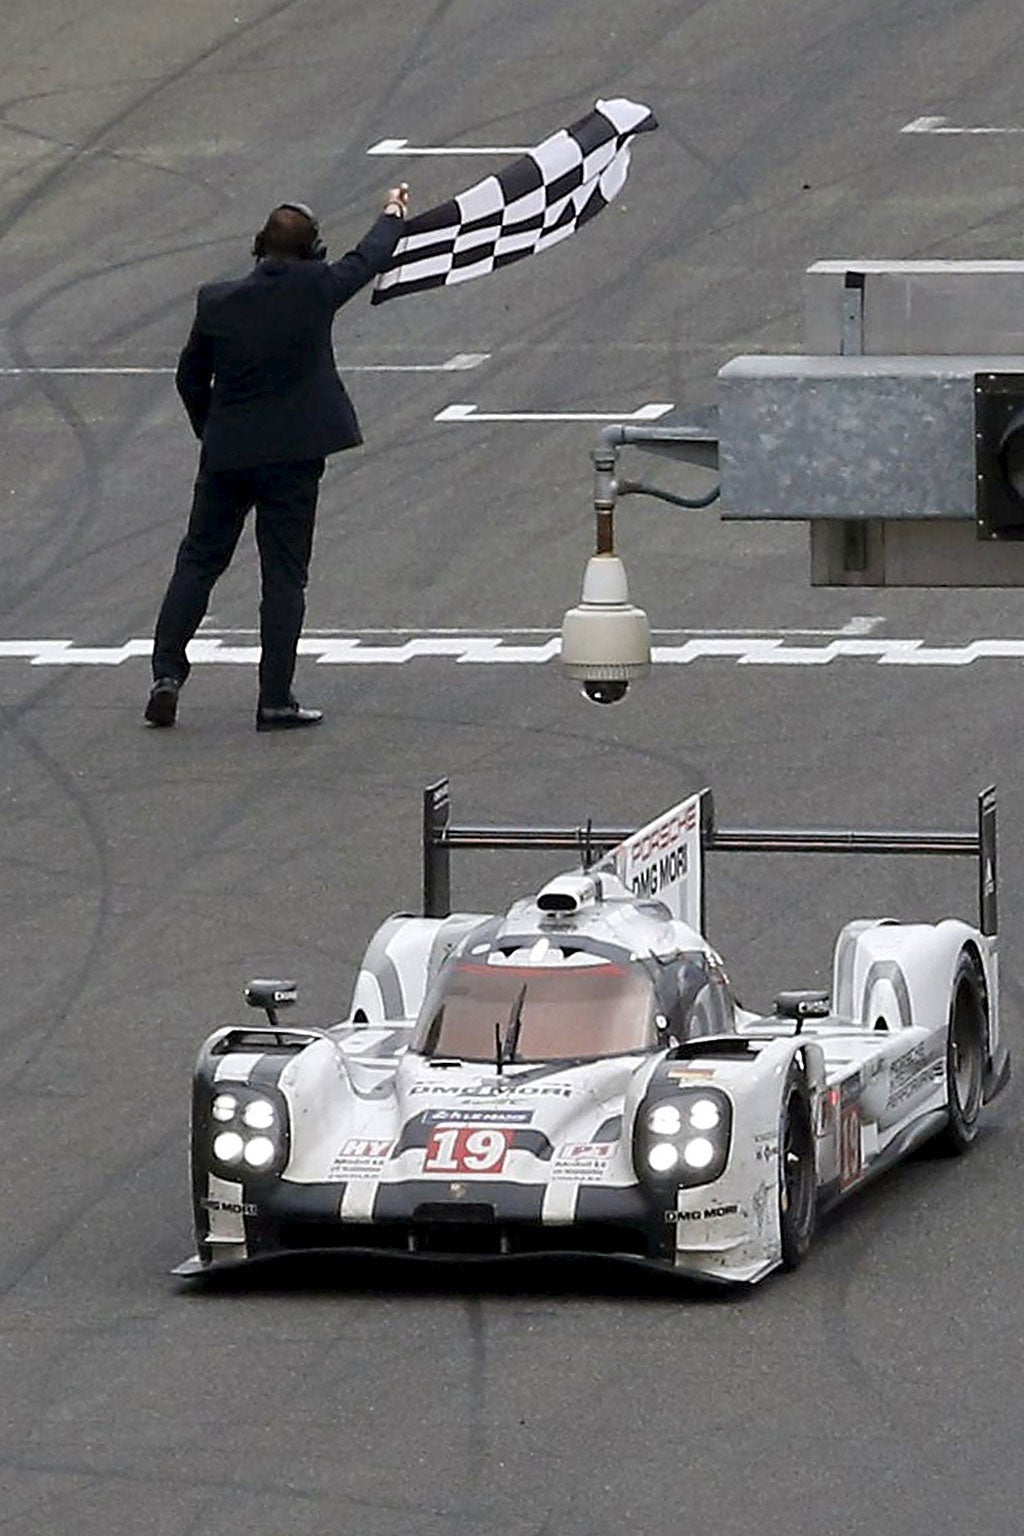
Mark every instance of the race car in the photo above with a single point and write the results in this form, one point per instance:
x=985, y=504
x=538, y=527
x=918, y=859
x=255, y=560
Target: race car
x=574, y=1075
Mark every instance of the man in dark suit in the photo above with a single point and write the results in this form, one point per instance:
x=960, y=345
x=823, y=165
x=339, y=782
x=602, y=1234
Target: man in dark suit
x=258, y=381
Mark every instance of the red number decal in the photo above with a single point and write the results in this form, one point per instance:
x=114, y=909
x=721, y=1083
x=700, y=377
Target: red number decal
x=461, y=1149
x=849, y=1146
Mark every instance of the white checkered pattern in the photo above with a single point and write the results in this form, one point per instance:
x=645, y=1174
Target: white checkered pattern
x=533, y=203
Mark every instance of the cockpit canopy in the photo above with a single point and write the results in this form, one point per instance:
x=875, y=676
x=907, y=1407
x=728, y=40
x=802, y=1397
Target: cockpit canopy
x=582, y=1008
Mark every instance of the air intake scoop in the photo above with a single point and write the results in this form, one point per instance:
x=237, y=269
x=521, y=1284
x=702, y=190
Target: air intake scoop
x=569, y=893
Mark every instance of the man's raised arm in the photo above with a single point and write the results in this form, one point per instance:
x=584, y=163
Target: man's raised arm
x=371, y=255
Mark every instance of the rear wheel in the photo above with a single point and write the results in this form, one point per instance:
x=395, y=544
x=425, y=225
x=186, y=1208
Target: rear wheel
x=966, y=1048
x=798, y=1184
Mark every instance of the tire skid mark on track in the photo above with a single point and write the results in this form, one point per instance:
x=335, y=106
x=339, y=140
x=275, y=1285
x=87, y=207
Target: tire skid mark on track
x=476, y=1389
x=884, y=1403
x=174, y=874
x=56, y=394
x=17, y=1269
x=145, y=1476
x=117, y=156
x=69, y=988
x=94, y=138
x=729, y=181
x=64, y=536
x=362, y=179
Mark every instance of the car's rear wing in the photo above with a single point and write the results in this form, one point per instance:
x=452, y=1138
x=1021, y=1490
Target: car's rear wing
x=591, y=843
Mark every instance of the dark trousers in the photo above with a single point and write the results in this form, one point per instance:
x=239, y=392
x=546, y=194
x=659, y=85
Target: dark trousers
x=284, y=496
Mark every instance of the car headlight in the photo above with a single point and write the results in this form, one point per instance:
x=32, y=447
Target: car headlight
x=697, y=1153
x=228, y=1147
x=682, y=1136
x=248, y=1130
x=224, y=1107
x=665, y=1120
x=259, y=1152
x=259, y=1115
x=704, y=1114
x=662, y=1156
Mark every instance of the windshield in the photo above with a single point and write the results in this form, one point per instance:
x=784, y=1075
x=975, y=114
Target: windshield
x=542, y=1013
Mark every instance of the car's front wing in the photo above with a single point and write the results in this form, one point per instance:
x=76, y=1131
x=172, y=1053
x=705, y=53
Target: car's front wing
x=699, y=1233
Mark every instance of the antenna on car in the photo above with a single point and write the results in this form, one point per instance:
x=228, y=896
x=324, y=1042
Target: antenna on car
x=515, y=1024
x=585, y=835
x=498, y=1057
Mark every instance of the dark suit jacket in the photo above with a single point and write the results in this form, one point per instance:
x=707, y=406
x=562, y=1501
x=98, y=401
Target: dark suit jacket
x=257, y=374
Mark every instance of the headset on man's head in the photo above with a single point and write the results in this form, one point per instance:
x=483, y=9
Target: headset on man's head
x=314, y=250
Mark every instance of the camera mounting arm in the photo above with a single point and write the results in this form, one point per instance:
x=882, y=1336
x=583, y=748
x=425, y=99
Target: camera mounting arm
x=694, y=443
x=606, y=641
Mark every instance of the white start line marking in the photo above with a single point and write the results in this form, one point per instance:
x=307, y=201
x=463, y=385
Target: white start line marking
x=403, y=147
x=462, y=362
x=943, y=125
x=858, y=624
x=472, y=413
x=483, y=650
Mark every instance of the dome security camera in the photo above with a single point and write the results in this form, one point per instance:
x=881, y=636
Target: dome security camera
x=606, y=641
x=605, y=690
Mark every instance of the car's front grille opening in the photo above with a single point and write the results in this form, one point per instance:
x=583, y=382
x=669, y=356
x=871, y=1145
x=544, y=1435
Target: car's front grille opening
x=430, y=1212
x=474, y=1233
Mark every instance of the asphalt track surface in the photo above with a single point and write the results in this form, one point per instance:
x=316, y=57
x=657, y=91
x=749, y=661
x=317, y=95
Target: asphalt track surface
x=147, y=875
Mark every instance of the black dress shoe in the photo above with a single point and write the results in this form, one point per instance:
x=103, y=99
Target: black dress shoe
x=162, y=705
x=289, y=717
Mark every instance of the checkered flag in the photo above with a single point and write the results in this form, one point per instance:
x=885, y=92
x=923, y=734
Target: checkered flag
x=533, y=203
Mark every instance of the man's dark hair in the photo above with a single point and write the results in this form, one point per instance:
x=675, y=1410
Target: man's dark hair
x=289, y=233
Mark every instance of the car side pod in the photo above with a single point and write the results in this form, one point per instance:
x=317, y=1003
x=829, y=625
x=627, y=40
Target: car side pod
x=270, y=996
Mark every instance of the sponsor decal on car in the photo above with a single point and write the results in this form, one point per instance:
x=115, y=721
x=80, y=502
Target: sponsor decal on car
x=849, y=1132
x=360, y=1157
x=461, y=1116
x=709, y=1213
x=232, y=1207
x=658, y=856
x=663, y=859
x=582, y=1161
x=913, y=1071
x=689, y=1074
x=497, y=1089
x=828, y=1110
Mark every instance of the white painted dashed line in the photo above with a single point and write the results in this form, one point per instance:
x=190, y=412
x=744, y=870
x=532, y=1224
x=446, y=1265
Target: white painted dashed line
x=403, y=147
x=63, y=653
x=859, y=624
x=942, y=125
x=472, y=413
x=497, y=649
x=462, y=362
x=83, y=372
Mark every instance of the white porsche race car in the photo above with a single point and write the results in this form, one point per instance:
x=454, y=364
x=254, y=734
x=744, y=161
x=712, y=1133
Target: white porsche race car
x=575, y=1076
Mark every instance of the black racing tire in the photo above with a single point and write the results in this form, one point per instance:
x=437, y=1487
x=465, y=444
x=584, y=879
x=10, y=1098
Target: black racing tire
x=798, y=1180
x=966, y=1056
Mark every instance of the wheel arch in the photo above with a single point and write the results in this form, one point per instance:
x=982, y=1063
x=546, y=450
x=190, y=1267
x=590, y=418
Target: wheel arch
x=401, y=960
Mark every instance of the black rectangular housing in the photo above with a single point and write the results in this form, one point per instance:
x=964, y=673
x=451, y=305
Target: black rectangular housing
x=998, y=449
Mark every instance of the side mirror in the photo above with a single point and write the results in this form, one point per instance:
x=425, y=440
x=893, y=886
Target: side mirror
x=803, y=1005
x=271, y=995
